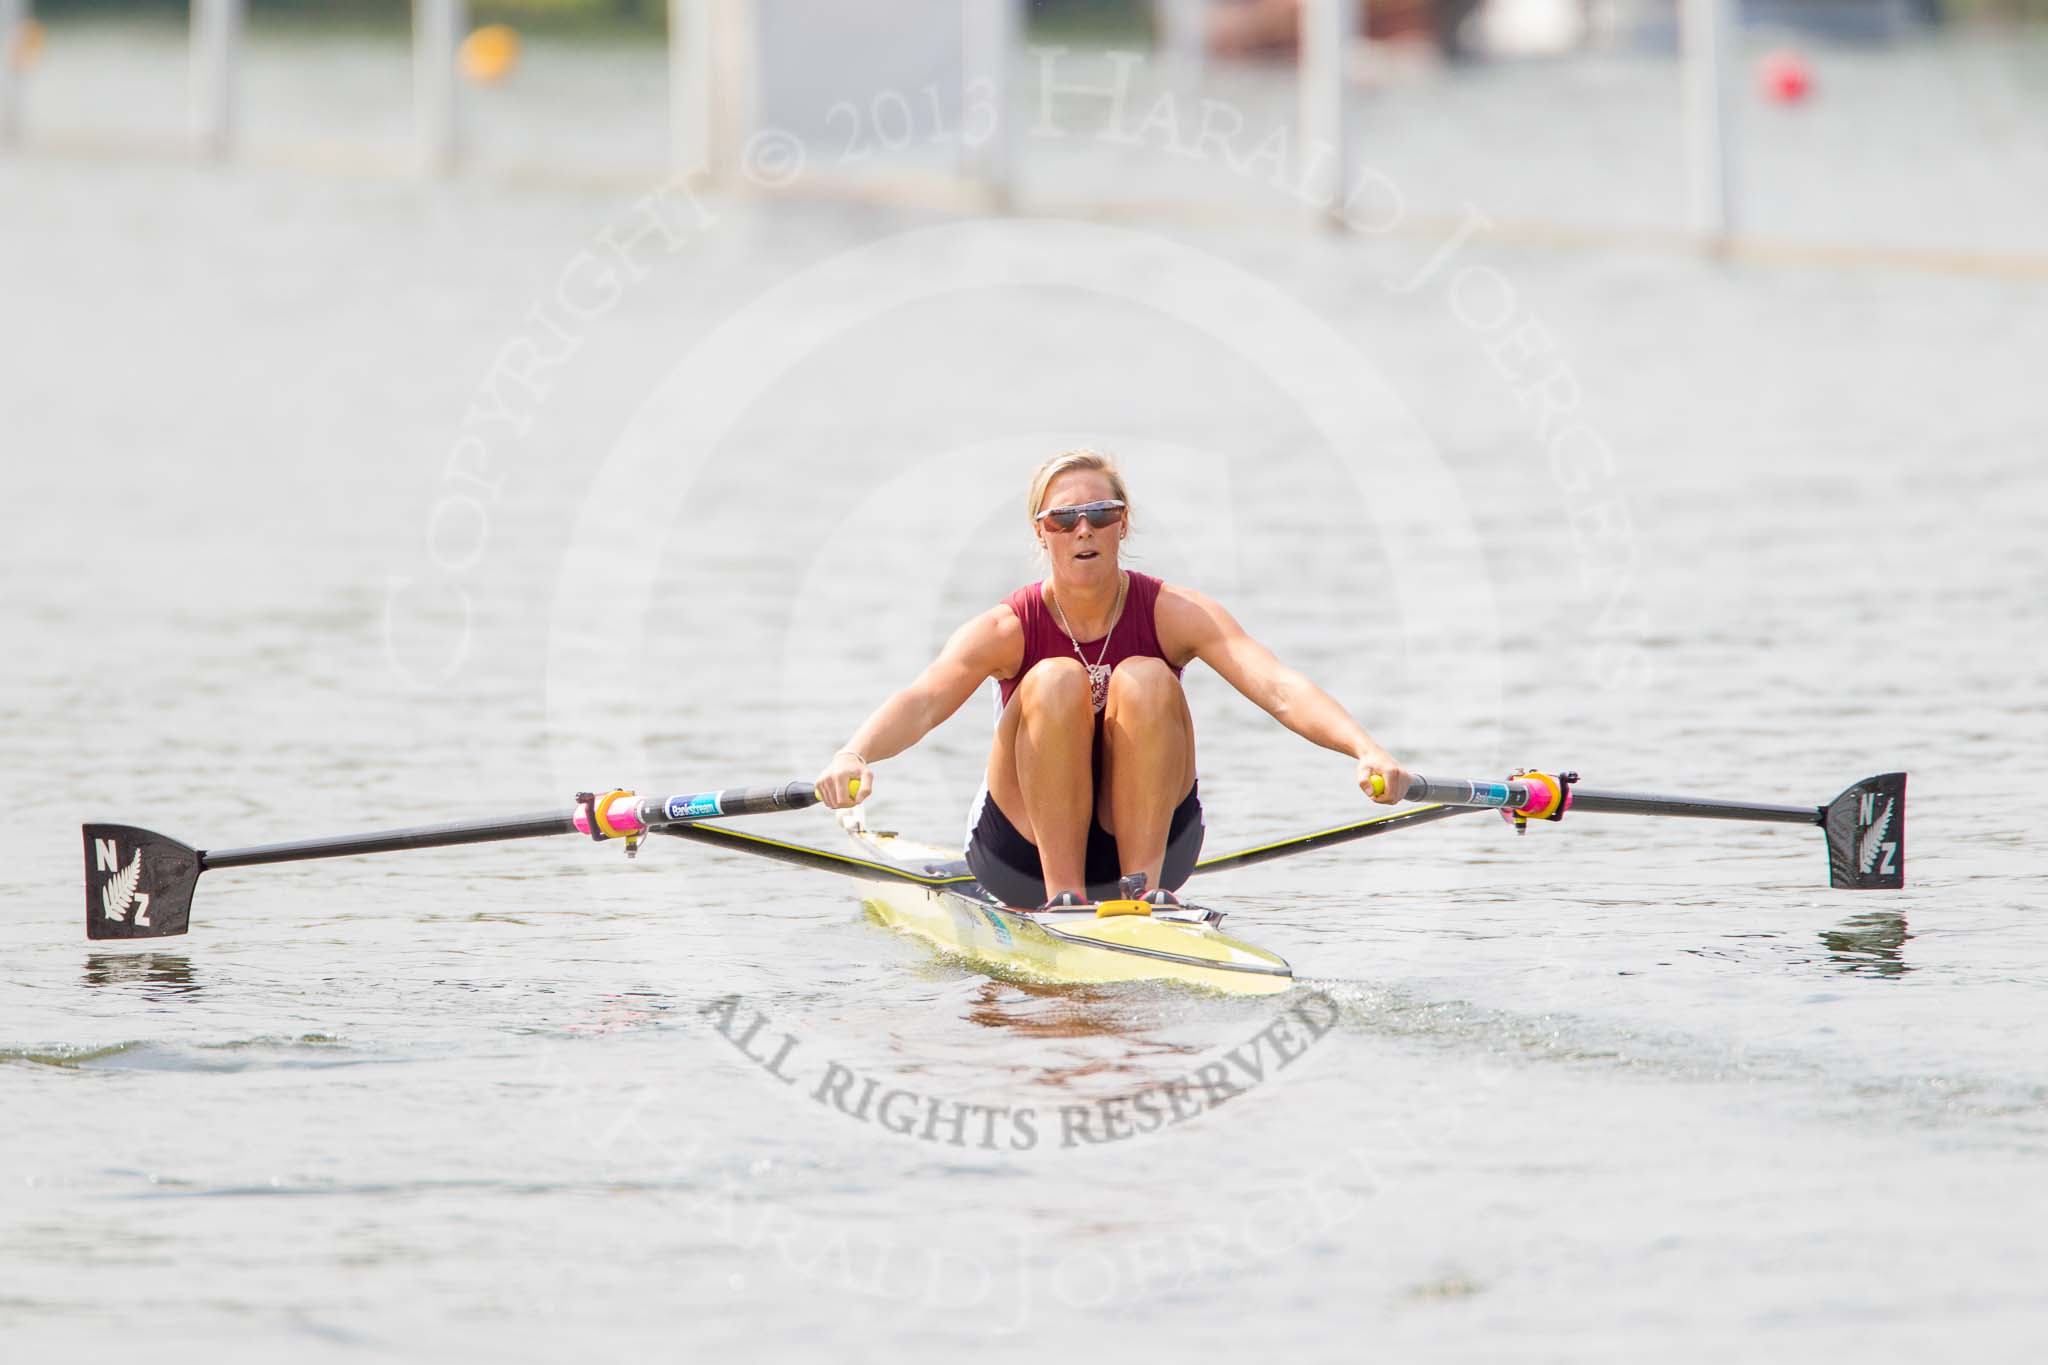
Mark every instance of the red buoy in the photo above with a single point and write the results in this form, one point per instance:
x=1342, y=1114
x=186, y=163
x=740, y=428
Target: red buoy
x=1784, y=76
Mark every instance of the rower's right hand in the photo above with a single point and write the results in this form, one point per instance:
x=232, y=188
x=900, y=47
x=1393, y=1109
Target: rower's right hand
x=846, y=781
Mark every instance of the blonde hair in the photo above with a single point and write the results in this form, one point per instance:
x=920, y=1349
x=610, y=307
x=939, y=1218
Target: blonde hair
x=1066, y=462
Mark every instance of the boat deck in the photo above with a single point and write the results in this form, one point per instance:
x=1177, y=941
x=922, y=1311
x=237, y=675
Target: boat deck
x=1075, y=945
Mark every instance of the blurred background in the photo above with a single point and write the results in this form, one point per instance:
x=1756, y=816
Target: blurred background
x=1858, y=121
x=414, y=412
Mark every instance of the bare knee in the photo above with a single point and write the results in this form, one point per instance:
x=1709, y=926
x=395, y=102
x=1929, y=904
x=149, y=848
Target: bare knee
x=1055, y=685
x=1144, y=683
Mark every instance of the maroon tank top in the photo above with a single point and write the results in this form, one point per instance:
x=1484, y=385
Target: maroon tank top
x=1134, y=636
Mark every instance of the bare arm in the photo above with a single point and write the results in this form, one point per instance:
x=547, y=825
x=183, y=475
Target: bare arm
x=1192, y=626
x=989, y=646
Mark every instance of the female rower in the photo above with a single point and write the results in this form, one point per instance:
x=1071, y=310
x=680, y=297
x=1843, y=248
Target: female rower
x=1091, y=779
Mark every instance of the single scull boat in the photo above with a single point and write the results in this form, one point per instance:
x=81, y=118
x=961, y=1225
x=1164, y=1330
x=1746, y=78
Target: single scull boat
x=139, y=884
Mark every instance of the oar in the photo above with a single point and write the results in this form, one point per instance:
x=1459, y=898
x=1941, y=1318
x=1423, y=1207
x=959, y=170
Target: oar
x=818, y=859
x=1865, y=825
x=1323, y=838
x=139, y=884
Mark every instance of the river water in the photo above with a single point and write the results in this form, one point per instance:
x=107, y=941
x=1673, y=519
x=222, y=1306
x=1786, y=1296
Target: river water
x=334, y=501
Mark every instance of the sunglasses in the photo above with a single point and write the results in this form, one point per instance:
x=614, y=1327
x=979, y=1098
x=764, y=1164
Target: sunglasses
x=1108, y=512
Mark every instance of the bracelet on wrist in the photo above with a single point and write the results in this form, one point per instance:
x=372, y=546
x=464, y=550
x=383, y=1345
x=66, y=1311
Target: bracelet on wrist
x=856, y=753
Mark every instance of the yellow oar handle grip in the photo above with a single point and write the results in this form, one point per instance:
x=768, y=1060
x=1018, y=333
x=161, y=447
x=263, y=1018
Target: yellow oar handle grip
x=852, y=789
x=1379, y=785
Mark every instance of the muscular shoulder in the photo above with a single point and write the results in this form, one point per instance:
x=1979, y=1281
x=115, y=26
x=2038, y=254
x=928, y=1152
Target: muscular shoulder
x=992, y=642
x=1187, y=622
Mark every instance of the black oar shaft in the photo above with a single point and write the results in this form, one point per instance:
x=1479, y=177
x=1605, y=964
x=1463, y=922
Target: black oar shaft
x=393, y=840
x=651, y=812
x=1518, y=795
x=1698, y=807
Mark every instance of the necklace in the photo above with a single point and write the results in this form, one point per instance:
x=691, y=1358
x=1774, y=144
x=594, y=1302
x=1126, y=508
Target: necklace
x=1098, y=672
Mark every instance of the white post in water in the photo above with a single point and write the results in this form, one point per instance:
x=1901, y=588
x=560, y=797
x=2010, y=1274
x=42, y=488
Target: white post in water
x=216, y=72
x=711, y=85
x=1320, y=155
x=437, y=27
x=13, y=32
x=1708, y=50
x=989, y=33
x=690, y=80
x=1184, y=40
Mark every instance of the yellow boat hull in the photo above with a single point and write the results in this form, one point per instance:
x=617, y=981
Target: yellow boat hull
x=1078, y=947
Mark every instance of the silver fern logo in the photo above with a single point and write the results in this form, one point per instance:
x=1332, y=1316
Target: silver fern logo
x=122, y=890
x=1873, y=842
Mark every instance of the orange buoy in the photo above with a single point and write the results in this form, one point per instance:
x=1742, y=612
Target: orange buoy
x=27, y=46
x=489, y=54
x=1784, y=76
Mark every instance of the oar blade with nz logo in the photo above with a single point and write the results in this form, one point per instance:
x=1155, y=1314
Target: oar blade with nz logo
x=137, y=884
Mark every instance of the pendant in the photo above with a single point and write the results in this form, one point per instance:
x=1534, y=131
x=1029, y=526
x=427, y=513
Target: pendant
x=1098, y=683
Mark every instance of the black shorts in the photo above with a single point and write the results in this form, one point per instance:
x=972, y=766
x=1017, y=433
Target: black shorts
x=1007, y=863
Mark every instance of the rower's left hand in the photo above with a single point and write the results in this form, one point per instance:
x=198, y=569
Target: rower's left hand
x=1393, y=777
